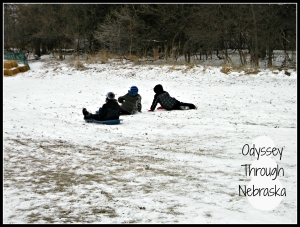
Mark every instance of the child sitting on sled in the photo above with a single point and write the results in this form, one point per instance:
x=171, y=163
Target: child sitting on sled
x=109, y=110
x=131, y=102
x=167, y=102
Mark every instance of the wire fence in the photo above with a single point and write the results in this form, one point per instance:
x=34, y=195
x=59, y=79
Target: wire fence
x=17, y=56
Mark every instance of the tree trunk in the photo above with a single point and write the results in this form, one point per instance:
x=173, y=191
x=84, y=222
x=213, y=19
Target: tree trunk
x=37, y=50
x=44, y=49
x=255, y=54
x=270, y=56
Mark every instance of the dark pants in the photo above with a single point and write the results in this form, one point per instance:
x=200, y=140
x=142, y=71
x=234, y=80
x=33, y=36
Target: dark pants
x=179, y=104
x=124, y=112
x=93, y=116
x=96, y=116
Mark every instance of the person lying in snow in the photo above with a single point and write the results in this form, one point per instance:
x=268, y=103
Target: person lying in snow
x=109, y=111
x=167, y=102
x=131, y=102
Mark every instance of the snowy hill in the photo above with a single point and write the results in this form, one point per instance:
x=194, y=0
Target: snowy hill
x=154, y=167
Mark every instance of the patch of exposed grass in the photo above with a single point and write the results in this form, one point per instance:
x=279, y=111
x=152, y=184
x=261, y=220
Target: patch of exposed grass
x=104, y=56
x=110, y=212
x=77, y=64
x=188, y=67
x=226, y=69
x=207, y=214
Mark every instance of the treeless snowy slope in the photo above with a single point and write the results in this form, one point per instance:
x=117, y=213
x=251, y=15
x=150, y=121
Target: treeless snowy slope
x=154, y=167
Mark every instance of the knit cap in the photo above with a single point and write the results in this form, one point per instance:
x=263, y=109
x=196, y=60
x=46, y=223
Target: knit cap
x=110, y=95
x=158, y=88
x=133, y=91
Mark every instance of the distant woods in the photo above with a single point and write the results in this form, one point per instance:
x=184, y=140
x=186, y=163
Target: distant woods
x=157, y=31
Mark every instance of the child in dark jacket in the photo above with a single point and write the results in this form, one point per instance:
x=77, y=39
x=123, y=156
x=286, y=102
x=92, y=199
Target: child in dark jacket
x=131, y=102
x=167, y=102
x=109, y=111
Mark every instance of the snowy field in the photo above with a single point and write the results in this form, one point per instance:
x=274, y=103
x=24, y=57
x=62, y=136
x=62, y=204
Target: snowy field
x=154, y=167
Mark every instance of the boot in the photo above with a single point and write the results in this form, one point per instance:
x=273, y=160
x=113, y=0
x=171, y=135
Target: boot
x=85, y=113
x=184, y=107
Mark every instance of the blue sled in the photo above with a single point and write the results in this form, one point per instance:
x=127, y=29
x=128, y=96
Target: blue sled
x=107, y=122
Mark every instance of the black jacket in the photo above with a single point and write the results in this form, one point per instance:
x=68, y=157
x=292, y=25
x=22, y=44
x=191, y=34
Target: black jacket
x=109, y=111
x=131, y=104
x=165, y=100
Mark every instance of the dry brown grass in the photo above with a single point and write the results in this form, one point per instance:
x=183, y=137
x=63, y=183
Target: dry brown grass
x=11, y=72
x=251, y=70
x=10, y=64
x=91, y=59
x=94, y=58
x=98, y=58
x=105, y=55
x=23, y=68
x=8, y=72
x=15, y=70
x=133, y=58
x=189, y=67
x=11, y=68
x=155, y=54
x=77, y=64
x=174, y=68
x=226, y=69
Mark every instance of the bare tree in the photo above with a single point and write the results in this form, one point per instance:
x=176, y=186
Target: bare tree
x=162, y=30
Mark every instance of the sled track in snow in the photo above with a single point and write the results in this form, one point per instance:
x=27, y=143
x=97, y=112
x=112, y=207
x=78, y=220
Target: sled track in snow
x=43, y=171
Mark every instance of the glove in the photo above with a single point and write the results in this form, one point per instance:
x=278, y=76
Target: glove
x=160, y=108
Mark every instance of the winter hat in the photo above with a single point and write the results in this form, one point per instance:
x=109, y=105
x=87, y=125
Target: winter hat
x=110, y=95
x=158, y=88
x=133, y=91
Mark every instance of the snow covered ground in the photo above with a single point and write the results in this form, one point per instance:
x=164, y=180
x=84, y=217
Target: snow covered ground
x=154, y=167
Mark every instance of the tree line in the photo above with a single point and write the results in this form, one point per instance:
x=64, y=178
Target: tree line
x=164, y=31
